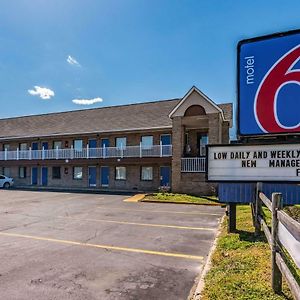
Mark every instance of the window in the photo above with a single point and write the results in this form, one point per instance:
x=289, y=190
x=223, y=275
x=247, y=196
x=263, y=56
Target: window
x=203, y=141
x=120, y=173
x=22, y=172
x=147, y=173
x=147, y=141
x=121, y=142
x=186, y=138
x=56, y=173
x=6, y=147
x=77, y=173
x=57, y=145
x=78, y=145
x=6, y=171
x=23, y=146
x=2, y=177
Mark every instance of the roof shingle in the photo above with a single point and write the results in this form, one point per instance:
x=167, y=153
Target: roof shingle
x=132, y=117
x=107, y=119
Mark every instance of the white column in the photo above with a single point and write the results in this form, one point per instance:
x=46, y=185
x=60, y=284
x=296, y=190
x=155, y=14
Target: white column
x=161, y=151
x=141, y=150
x=122, y=152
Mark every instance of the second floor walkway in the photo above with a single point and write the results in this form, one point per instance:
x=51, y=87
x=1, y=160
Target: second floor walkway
x=88, y=153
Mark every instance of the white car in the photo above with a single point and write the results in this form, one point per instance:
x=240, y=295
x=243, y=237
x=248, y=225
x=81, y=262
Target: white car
x=6, y=182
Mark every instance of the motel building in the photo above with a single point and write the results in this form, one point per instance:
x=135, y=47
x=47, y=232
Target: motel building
x=136, y=147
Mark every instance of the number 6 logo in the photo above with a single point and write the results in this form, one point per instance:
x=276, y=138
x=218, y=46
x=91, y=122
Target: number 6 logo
x=265, y=104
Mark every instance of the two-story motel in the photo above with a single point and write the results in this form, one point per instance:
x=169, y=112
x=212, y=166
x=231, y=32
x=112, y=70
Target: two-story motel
x=130, y=147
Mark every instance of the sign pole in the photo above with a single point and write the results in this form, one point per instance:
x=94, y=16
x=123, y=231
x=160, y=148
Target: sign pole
x=231, y=212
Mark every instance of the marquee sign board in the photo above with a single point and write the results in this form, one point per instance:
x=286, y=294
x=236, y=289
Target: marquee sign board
x=277, y=162
x=269, y=85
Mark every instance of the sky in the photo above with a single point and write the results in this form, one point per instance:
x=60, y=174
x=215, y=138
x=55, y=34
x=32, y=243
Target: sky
x=63, y=55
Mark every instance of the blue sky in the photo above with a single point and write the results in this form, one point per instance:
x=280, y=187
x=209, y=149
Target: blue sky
x=125, y=51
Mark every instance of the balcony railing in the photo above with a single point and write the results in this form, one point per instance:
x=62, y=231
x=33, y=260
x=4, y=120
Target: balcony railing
x=193, y=164
x=89, y=153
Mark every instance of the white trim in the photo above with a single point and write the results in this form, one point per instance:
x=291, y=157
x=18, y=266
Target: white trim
x=84, y=133
x=195, y=89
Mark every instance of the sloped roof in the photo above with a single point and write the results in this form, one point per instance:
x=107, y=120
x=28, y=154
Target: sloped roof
x=139, y=116
x=132, y=117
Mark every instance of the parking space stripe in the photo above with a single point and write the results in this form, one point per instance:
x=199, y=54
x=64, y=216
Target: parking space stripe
x=106, y=247
x=140, y=224
x=162, y=211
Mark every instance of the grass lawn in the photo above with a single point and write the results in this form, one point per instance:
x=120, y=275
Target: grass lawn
x=180, y=198
x=241, y=266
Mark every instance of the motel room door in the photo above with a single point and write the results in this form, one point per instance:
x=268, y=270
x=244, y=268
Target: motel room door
x=45, y=145
x=34, y=176
x=165, y=175
x=105, y=176
x=92, y=176
x=44, y=176
x=165, y=140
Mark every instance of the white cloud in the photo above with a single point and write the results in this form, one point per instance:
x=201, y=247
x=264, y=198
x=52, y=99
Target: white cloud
x=42, y=92
x=87, y=101
x=72, y=61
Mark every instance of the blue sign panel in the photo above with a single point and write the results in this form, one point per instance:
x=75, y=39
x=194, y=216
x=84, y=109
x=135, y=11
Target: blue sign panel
x=269, y=85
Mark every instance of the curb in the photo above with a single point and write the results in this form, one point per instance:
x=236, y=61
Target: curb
x=201, y=283
x=135, y=198
x=173, y=202
x=71, y=190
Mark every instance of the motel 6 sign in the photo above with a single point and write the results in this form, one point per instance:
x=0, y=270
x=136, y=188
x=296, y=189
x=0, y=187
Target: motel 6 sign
x=269, y=85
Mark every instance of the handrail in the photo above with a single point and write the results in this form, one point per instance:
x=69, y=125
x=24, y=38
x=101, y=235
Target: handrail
x=193, y=164
x=88, y=153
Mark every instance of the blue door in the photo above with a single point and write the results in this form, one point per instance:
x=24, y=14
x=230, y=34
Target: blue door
x=165, y=174
x=34, y=176
x=92, y=150
x=34, y=146
x=45, y=145
x=105, y=176
x=105, y=143
x=92, y=176
x=44, y=176
x=166, y=139
x=92, y=144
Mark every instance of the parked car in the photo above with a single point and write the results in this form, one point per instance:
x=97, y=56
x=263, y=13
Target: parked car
x=6, y=182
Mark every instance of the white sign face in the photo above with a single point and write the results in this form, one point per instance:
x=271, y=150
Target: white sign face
x=254, y=163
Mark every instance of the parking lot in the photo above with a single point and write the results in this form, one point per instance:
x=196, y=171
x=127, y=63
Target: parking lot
x=96, y=246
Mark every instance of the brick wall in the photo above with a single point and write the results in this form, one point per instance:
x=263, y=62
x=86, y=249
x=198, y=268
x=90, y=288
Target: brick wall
x=133, y=139
x=133, y=178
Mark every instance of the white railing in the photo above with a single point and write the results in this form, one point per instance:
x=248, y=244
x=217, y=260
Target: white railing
x=89, y=153
x=193, y=164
